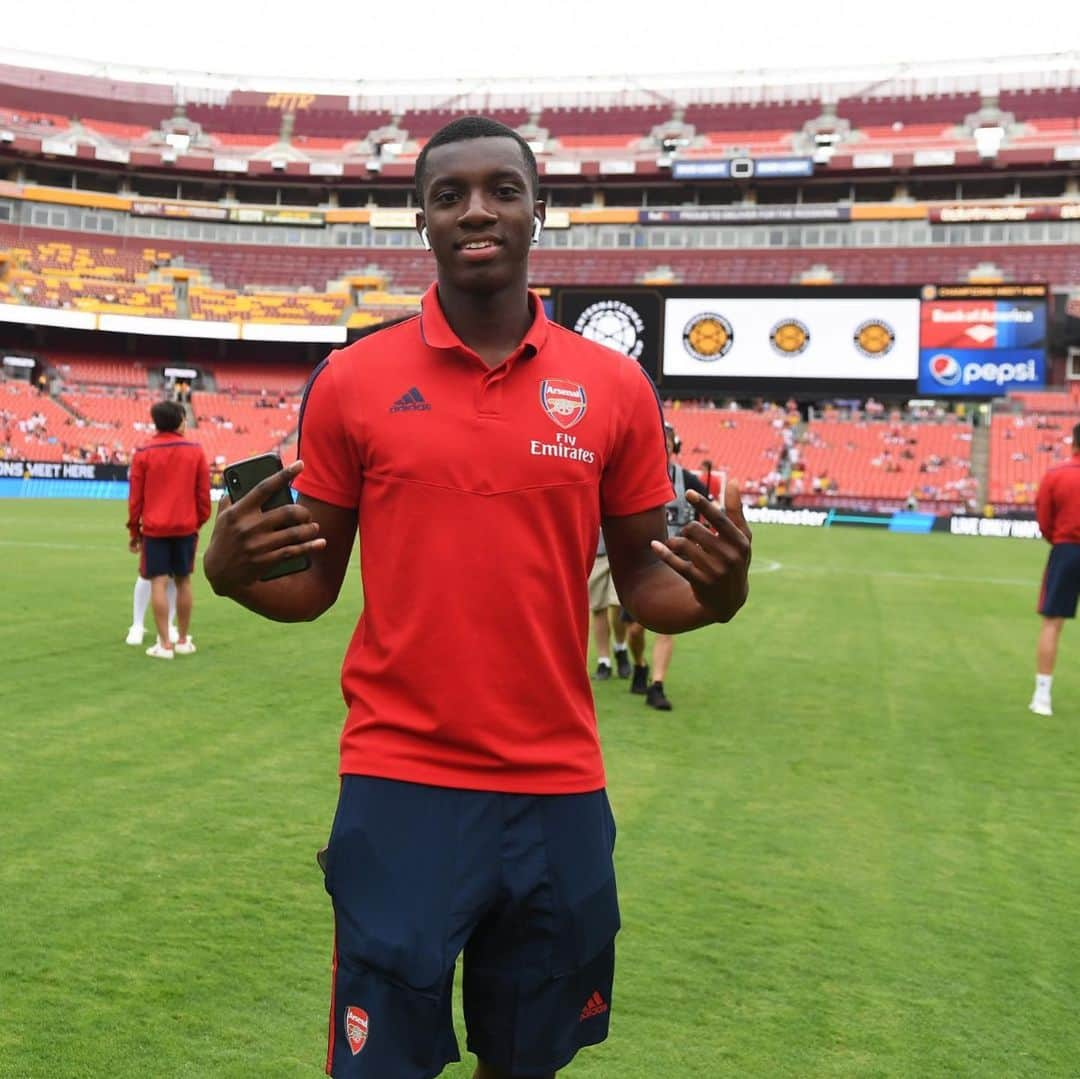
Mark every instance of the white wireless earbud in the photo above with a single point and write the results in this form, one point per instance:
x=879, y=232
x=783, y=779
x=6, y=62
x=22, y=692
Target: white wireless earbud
x=538, y=228
x=424, y=239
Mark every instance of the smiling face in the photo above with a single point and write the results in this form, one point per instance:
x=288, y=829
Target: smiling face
x=478, y=209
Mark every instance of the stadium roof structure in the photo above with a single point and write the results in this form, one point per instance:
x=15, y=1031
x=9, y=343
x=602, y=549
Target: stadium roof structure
x=119, y=82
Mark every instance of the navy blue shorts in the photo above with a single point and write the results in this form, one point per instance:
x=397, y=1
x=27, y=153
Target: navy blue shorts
x=172, y=556
x=1061, y=582
x=523, y=884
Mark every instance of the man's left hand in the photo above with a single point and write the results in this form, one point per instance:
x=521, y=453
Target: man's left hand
x=135, y=545
x=714, y=557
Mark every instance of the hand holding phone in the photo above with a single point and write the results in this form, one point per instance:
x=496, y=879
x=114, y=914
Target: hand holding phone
x=260, y=533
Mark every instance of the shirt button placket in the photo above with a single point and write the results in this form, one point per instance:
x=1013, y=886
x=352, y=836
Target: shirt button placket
x=490, y=395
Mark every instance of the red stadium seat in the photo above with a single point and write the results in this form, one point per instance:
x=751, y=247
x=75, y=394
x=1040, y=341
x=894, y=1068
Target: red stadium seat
x=1022, y=448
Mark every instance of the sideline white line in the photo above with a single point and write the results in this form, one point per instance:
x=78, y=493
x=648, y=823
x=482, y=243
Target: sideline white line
x=767, y=566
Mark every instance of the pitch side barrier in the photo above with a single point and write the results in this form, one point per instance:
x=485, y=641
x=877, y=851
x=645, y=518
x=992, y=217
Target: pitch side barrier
x=80, y=479
x=1017, y=527
x=62, y=479
x=68, y=479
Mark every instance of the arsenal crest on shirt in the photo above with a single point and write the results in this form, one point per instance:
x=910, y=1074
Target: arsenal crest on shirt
x=563, y=401
x=356, y=1028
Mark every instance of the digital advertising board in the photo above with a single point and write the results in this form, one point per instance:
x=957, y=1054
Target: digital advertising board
x=933, y=340
x=627, y=320
x=982, y=341
x=854, y=339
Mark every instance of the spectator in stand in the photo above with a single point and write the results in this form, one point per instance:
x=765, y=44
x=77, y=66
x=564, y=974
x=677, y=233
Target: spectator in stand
x=169, y=501
x=1057, y=507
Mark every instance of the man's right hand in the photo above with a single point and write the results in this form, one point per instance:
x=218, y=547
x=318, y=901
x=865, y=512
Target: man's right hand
x=246, y=542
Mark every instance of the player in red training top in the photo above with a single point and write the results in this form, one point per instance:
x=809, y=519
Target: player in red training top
x=1058, y=508
x=480, y=448
x=168, y=502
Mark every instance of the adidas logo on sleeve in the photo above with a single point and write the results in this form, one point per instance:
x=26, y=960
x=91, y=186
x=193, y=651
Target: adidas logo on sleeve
x=413, y=401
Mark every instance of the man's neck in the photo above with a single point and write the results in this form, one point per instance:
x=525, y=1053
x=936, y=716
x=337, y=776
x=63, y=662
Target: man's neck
x=491, y=324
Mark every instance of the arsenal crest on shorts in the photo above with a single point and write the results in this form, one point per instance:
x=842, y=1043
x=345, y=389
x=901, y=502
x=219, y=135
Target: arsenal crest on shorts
x=356, y=1027
x=563, y=401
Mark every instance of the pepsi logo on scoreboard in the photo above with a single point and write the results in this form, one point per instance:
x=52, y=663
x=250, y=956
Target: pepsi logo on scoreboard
x=981, y=347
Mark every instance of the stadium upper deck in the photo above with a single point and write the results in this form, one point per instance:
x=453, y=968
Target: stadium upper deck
x=366, y=131
x=227, y=205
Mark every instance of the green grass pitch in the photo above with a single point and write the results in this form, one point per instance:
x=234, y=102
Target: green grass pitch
x=849, y=851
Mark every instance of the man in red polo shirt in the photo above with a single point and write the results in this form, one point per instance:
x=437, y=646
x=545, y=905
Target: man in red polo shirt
x=1057, y=506
x=168, y=502
x=480, y=448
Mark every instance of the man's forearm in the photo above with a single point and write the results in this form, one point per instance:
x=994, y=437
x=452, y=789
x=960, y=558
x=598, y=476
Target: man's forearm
x=295, y=598
x=664, y=602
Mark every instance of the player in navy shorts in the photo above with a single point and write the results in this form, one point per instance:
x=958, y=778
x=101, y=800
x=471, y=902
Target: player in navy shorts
x=168, y=502
x=168, y=556
x=479, y=449
x=1058, y=509
x=524, y=884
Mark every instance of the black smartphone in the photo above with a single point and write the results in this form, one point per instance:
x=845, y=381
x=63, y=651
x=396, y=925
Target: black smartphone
x=241, y=478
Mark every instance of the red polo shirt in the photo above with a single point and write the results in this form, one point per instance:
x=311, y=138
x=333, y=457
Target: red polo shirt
x=1058, y=503
x=479, y=491
x=169, y=487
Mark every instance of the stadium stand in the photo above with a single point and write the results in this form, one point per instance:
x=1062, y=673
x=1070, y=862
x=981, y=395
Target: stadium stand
x=92, y=122
x=32, y=425
x=1022, y=448
x=277, y=379
x=122, y=410
x=119, y=298
x=303, y=309
x=107, y=424
x=743, y=443
x=51, y=257
x=751, y=117
x=1054, y=402
x=885, y=460
x=241, y=266
x=76, y=370
x=129, y=115
x=938, y=109
x=232, y=427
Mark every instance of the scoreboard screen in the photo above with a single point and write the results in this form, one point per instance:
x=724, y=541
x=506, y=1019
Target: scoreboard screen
x=850, y=338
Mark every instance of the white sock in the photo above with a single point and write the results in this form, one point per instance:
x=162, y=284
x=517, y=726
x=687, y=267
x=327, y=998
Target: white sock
x=1042, y=686
x=141, y=602
x=620, y=648
x=171, y=589
x=604, y=661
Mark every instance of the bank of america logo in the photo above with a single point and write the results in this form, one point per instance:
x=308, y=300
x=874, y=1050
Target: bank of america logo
x=413, y=401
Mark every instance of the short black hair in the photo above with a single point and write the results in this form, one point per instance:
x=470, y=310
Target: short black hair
x=167, y=416
x=475, y=127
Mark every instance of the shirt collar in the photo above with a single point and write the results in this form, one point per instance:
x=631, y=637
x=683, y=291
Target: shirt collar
x=438, y=333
